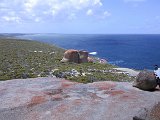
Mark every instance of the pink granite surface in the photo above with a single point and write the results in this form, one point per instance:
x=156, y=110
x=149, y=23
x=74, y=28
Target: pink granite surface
x=59, y=99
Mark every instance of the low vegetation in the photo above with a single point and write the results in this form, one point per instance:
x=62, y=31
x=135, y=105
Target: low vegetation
x=29, y=59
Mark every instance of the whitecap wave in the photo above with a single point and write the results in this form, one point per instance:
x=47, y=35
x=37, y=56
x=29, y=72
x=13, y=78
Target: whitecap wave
x=93, y=53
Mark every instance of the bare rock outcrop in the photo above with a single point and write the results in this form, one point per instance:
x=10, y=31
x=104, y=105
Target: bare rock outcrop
x=71, y=56
x=75, y=56
x=83, y=56
x=60, y=99
x=145, y=80
x=151, y=113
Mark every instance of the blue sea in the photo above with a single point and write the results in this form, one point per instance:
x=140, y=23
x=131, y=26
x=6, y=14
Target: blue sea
x=140, y=51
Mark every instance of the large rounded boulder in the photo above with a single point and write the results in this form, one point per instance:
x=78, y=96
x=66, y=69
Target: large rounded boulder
x=75, y=56
x=145, y=80
x=71, y=56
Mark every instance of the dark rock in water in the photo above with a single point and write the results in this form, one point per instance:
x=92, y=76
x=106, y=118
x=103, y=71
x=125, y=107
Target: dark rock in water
x=145, y=80
x=75, y=56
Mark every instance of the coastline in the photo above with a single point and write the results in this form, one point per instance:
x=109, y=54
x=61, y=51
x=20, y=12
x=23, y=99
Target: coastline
x=52, y=65
x=121, y=50
x=39, y=95
x=129, y=71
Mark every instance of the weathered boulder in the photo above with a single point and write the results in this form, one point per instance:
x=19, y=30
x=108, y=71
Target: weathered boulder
x=145, y=80
x=83, y=56
x=75, y=56
x=71, y=56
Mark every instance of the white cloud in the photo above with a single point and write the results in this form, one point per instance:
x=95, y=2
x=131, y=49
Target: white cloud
x=89, y=12
x=39, y=10
x=106, y=13
x=11, y=19
x=37, y=19
x=30, y=4
x=98, y=2
x=72, y=16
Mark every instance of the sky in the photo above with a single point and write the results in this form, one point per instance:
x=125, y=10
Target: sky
x=80, y=16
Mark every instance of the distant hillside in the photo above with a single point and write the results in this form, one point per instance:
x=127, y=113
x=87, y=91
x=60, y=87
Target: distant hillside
x=29, y=59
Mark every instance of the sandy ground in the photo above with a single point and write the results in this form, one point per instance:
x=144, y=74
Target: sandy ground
x=59, y=99
x=131, y=72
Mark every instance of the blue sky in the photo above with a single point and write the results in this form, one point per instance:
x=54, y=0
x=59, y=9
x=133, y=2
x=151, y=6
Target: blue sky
x=80, y=16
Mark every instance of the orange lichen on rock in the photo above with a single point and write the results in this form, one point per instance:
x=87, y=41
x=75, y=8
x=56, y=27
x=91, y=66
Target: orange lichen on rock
x=105, y=85
x=57, y=97
x=67, y=84
x=62, y=108
x=36, y=100
x=77, y=102
x=114, y=92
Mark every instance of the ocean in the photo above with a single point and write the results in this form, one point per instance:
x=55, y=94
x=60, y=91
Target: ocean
x=139, y=51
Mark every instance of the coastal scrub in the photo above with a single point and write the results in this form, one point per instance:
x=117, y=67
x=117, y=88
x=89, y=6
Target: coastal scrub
x=29, y=59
